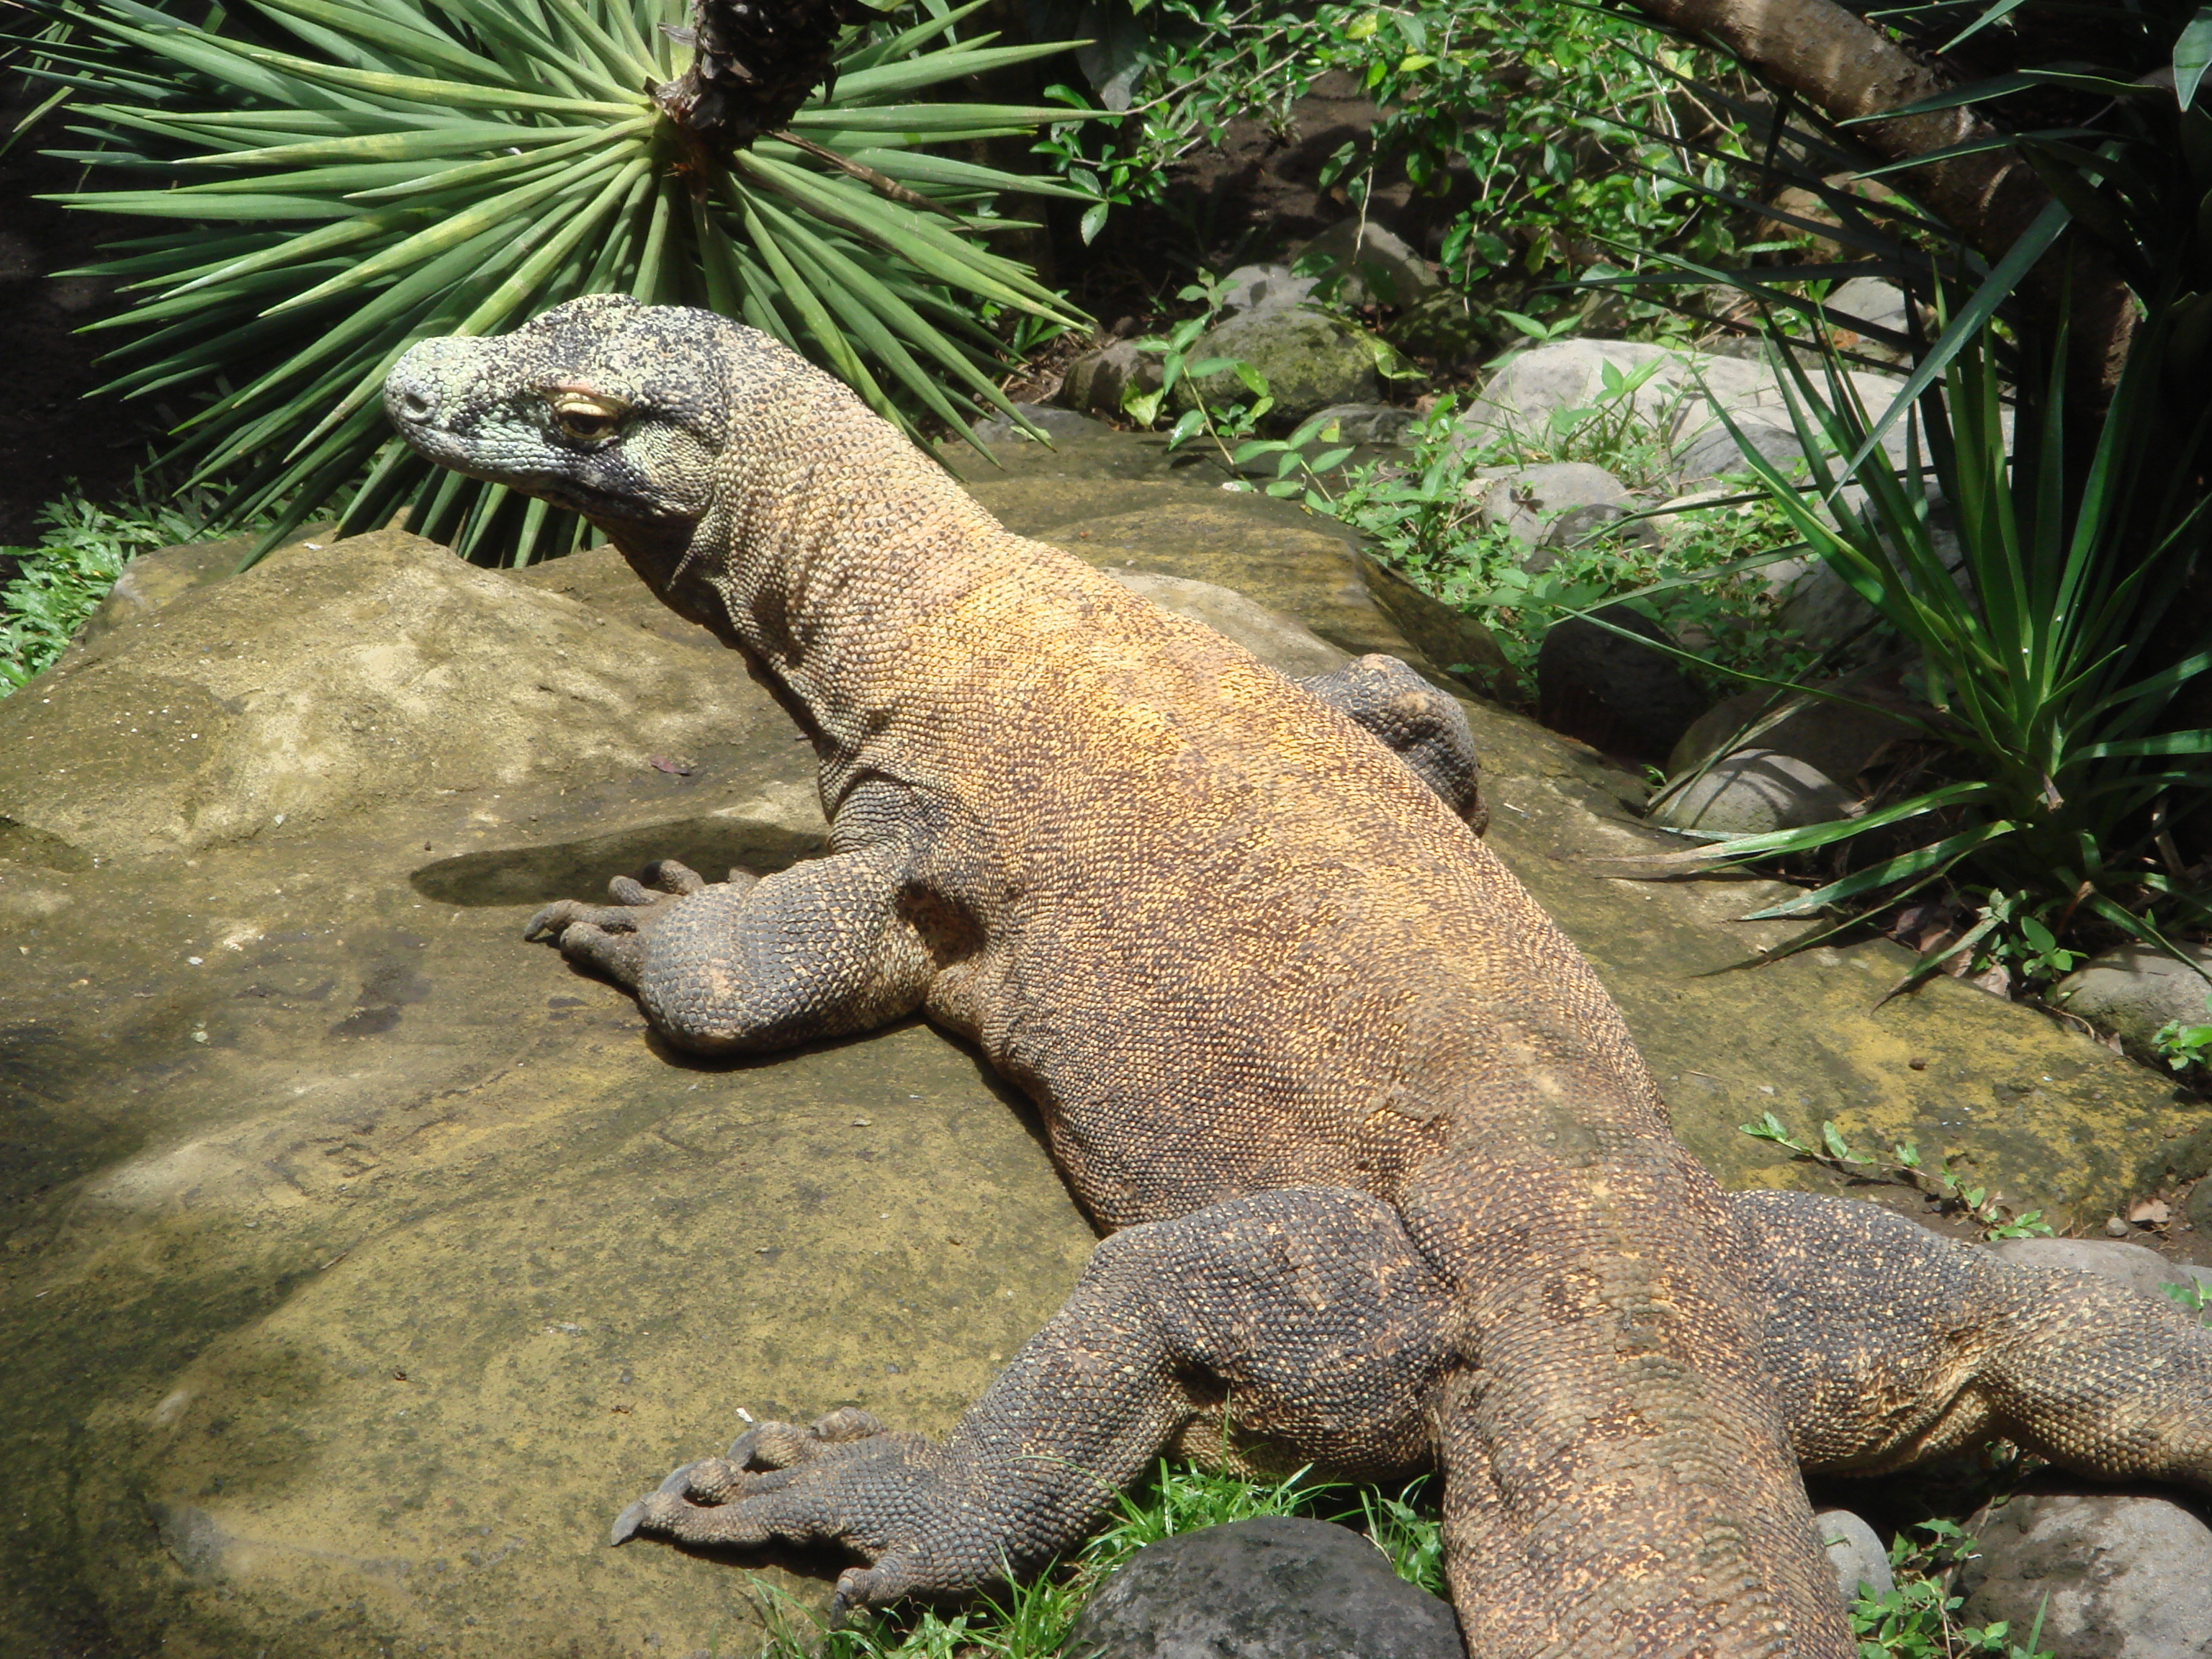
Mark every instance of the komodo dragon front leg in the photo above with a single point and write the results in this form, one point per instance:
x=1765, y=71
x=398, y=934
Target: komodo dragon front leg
x=1304, y=1325
x=821, y=949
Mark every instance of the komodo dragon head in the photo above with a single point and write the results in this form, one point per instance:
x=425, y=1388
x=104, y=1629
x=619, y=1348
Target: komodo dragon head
x=614, y=410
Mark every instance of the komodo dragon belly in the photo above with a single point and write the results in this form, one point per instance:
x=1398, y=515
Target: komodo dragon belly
x=1390, y=1184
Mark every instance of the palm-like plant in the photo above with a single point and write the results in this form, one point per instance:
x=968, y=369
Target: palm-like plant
x=351, y=176
x=2049, y=671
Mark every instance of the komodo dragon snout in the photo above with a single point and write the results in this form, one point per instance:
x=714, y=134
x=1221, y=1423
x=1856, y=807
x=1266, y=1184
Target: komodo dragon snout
x=1387, y=1183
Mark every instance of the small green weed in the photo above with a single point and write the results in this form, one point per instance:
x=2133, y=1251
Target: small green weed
x=2182, y=1046
x=1905, y=1166
x=62, y=580
x=1918, y=1619
x=2194, y=1298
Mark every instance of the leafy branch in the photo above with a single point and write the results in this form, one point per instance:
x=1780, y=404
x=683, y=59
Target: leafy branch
x=1905, y=1167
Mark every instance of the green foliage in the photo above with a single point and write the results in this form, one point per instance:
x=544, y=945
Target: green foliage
x=347, y=177
x=2183, y=1046
x=1905, y=1167
x=1031, y=1620
x=61, y=581
x=1918, y=1619
x=2196, y=1298
x=1423, y=517
x=2037, y=650
x=1522, y=112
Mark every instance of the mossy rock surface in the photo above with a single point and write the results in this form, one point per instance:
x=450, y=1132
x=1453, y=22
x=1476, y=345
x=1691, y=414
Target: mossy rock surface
x=361, y=1261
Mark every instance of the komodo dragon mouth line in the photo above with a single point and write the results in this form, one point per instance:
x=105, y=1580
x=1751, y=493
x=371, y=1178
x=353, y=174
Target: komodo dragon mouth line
x=1222, y=935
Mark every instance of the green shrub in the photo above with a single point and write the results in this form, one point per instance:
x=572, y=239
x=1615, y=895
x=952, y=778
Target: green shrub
x=2039, y=655
x=347, y=177
x=61, y=581
x=1529, y=115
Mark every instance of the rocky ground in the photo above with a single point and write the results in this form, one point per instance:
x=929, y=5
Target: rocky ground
x=361, y=1261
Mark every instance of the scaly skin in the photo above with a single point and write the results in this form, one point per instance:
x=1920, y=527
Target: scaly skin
x=1394, y=1182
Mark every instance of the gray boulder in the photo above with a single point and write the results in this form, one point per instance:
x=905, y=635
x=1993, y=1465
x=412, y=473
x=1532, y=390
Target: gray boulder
x=2110, y=1575
x=1677, y=406
x=1617, y=694
x=1369, y=423
x=1839, y=738
x=1375, y=265
x=1058, y=424
x=1751, y=791
x=1095, y=381
x=1715, y=452
x=1877, y=304
x=1264, y=288
x=1534, y=384
x=1273, y=1587
x=1855, y=1551
x=1552, y=506
x=1311, y=361
x=1821, y=611
x=2132, y=991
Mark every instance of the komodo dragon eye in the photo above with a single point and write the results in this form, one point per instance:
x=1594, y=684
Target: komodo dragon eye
x=586, y=415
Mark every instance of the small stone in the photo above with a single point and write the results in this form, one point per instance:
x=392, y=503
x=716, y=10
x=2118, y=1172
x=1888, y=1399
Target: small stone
x=1855, y=1551
x=1263, y=287
x=1367, y=423
x=1553, y=506
x=1614, y=694
x=1870, y=301
x=1058, y=424
x=1273, y=1587
x=1095, y=380
x=1376, y=265
x=2132, y=991
x=1755, y=791
x=2115, y=1228
x=1840, y=738
x=2110, y=1575
x=1311, y=360
x=2134, y=1266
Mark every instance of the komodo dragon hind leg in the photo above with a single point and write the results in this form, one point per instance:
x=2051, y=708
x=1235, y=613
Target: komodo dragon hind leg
x=1304, y=1317
x=1423, y=726
x=1890, y=1345
x=823, y=948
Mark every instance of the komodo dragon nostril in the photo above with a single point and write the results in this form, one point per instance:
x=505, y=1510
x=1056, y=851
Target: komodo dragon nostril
x=414, y=404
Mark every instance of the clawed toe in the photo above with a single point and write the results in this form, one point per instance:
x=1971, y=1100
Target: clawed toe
x=557, y=918
x=669, y=876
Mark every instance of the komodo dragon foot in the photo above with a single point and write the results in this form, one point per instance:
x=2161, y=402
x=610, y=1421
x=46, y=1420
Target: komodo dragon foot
x=759, y=963
x=1306, y=1320
x=1424, y=727
x=611, y=937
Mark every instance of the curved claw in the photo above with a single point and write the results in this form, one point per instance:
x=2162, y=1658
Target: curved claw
x=626, y=1524
x=678, y=1481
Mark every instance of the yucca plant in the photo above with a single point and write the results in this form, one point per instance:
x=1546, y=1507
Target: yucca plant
x=347, y=177
x=2046, y=667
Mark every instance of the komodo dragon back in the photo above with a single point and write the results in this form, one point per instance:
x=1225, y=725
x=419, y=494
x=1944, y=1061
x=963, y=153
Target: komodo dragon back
x=1380, y=1166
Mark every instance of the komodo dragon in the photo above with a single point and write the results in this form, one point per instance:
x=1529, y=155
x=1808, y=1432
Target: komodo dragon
x=1382, y=1176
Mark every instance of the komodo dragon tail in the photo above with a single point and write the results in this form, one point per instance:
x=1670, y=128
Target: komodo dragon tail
x=1611, y=1451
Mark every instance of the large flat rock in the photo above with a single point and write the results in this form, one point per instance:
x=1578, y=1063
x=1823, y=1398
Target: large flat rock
x=360, y=1261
